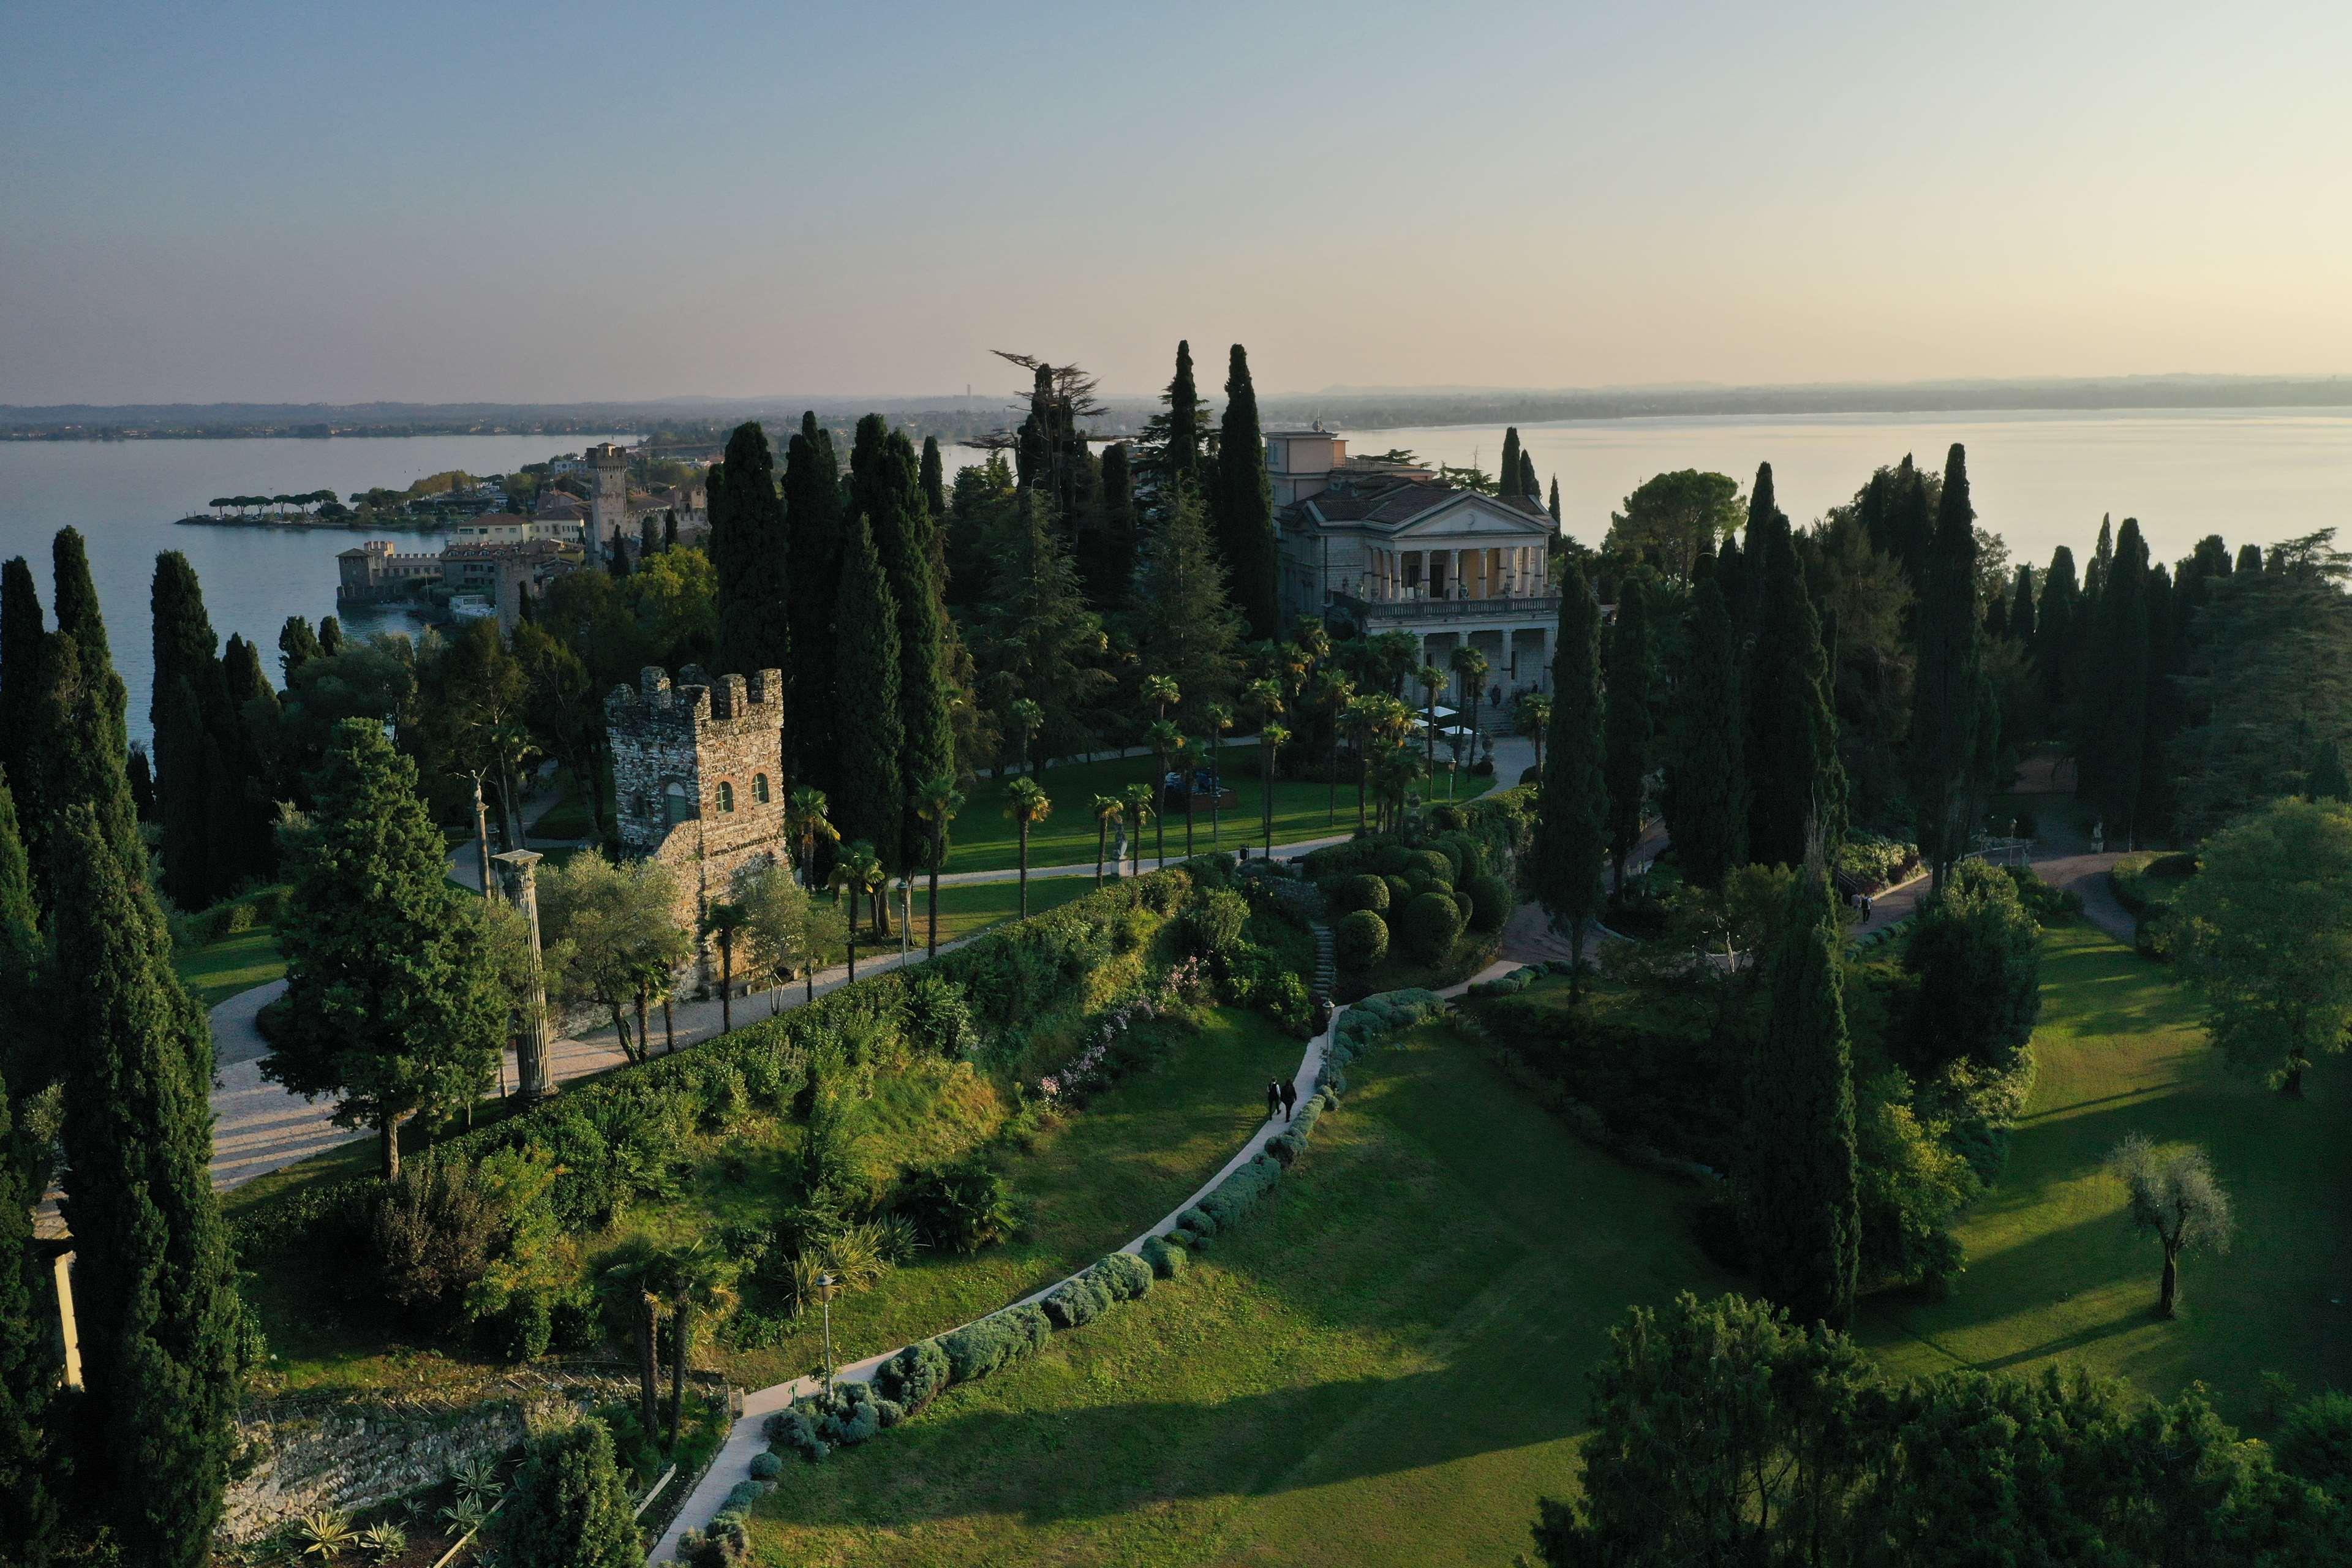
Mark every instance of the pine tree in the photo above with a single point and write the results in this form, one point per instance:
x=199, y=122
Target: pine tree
x=1794, y=777
x=1036, y=641
x=1706, y=800
x=885, y=486
x=154, y=1280
x=812, y=546
x=1948, y=693
x=297, y=645
x=747, y=555
x=869, y=804
x=1243, y=506
x=934, y=480
x=391, y=1003
x=1184, y=627
x=79, y=617
x=1797, y=1184
x=22, y=654
x=1508, y=470
x=1632, y=694
x=1571, y=834
x=1106, y=545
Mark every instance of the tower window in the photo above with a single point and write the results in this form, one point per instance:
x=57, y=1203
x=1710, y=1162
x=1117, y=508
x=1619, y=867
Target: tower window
x=759, y=788
x=726, y=796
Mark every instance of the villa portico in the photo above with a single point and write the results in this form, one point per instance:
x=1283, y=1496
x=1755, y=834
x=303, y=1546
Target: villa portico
x=1385, y=546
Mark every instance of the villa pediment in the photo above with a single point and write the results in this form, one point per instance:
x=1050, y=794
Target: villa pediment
x=1470, y=514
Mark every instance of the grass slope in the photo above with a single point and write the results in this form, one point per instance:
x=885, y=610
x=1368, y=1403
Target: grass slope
x=1386, y=1366
x=238, y=962
x=2056, y=1272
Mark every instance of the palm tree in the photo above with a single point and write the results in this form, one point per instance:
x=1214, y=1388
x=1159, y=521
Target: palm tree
x=1359, y=720
x=1270, y=740
x=805, y=820
x=1429, y=678
x=1188, y=763
x=1141, y=807
x=1162, y=737
x=1471, y=667
x=1108, y=809
x=1159, y=691
x=857, y=873
x=1025, y=804
x=1027, y=717
x=1219, y=719
x=936, y=800
x=1396, y=770
x=697, y=1277
x=1265, y=697
x=1335, y=690
x=1535, y=717
x=1313, y=639
x=722, y=923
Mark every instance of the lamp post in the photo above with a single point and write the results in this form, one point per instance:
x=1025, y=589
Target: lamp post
x=825, y=1286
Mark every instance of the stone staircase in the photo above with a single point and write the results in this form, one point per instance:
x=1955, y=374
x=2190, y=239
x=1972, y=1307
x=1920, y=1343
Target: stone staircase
x=1326, y=964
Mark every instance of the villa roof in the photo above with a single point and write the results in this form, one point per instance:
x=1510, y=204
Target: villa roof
x=561, y=506
x=1389, y=501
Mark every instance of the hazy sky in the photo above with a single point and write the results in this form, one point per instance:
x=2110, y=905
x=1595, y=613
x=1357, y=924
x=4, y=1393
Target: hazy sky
x=339, y=202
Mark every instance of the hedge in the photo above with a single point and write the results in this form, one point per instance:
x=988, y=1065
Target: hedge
x=1360, y=941
x=1430, y=926
x=1490, y=903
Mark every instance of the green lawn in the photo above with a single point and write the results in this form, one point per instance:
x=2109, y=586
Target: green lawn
x=983, y=838
x=238, y=962
x=2056, y=1273
x=1385, y=1366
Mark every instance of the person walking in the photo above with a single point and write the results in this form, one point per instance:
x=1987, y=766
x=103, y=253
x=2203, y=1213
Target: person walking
x=1273, y=1100
x=1289, y=1099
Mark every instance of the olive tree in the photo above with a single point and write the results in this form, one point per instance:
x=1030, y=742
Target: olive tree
x=2177, y=1197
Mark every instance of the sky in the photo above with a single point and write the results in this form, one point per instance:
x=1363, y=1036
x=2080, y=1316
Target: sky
x=209, y=202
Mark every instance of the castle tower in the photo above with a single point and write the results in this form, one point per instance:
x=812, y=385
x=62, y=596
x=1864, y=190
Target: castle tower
x=697, y=770
x=608, y=495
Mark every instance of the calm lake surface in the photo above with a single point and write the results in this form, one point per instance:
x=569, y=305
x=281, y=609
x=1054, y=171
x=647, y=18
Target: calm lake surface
x=124, y=496
x=2040, y=479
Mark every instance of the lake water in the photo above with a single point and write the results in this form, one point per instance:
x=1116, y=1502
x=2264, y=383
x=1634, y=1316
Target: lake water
x=124, y=496
x=2039, y=478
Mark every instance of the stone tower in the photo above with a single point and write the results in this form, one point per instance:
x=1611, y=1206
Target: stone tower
x=697, y=770
x=608, y=495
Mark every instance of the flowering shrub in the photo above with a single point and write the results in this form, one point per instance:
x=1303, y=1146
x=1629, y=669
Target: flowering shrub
x=1098, y=1063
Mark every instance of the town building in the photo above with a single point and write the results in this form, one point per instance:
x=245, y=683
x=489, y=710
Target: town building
x=1386, y=546
x=499, y=574
x=507, y=528
x=371, y=572
x=697, y=773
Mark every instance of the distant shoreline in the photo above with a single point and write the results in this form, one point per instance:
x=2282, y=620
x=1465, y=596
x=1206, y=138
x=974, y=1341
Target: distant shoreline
x=308, y=525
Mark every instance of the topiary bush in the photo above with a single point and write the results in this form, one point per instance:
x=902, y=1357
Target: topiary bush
x=1399, y=890
x=1077, y=1302
x=1360, y=941
x=994, y=1342
x=1431, y=925
x=1349, y=894
x=1196, y=1222
x=766, y=1467
x=1165, y=1257
x=914, y=1375
x=1243, y=1191
x=1440, y=865
x=1490, y=903
x=1123, y=1277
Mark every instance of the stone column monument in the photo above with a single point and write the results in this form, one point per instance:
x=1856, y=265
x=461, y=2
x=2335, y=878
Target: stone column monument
x=531, y=1040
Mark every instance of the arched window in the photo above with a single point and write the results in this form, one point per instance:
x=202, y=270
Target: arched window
x=726, y=797
x=759, y=788
x=676, y=806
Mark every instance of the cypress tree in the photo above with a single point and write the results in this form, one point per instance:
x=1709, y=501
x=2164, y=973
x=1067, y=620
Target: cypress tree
x=1948, y=693
x=2249, y=558
x=297, y=645
x=935, y=484
x=1766, y=522
x=2113, y=745
x=1181, y=459
x=392, y=1006
x=1243, y=504
x=616, y=556
x=1630, y=723
x=813, y=544
x=27, y=1054
x=23, y=637
x=1106, y=547
x=868, y=805
x=2056, y=630
x=886, y=489
x=1507, y=472
x=330, y=636
x=1571, y=833
x=253, y=707
x=1527, y=486
x=74, y=765
x=142, y=784
x=2166, y=709
x=1913, y=520
x=1797, y=1186
x=2020, y=610
x=1706, y=800
x=747, y=555
x=668, y=543
x=1794, y=778
x=201, y=849
x=1554, y=507
x=1732, y=568
x=79, y=616
x=154, y=1281
x=30, y=1399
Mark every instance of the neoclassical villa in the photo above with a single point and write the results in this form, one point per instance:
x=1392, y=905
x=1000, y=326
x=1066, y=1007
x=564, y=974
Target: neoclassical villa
x=1387, y=547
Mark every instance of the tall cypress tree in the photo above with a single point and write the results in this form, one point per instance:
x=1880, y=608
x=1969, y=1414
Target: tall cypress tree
x=1798, y=1189
x=1185, y=626
x=1527, y=486
x=1733, y=570
x=1571, y=834
x=2020, y=610
x=813, y=544
x=2113, y=720
x=30, y=1399
x=935, y=483
x=747, y=555
x=22, y=634
x=1948, y=693
x=1914, y=522
x=885, y=487
x=1107, y=545
x=154, y=1281
x=1630, y=723
x=1243, y=506
x=253, y=708
x=1180, y=459
x=190, y=716
x=2056, y=632
x=79, y=616
x=868, y=803
x=2250, y=557
x=297, y=645
x=1554, y=506
x=1794, y=777
x=1507, y=472
x=73, y=763
x=1706, y=780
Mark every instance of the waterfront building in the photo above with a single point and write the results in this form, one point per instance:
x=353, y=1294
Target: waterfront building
x=1386, y=546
